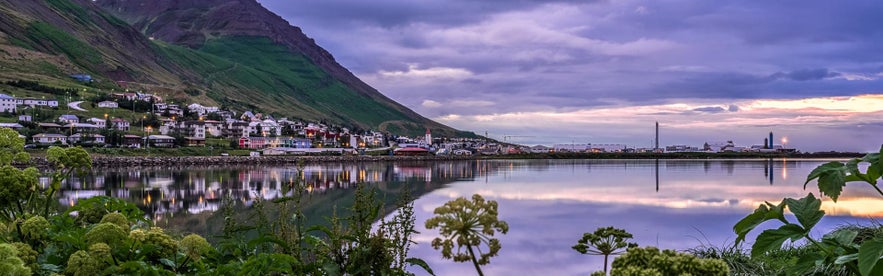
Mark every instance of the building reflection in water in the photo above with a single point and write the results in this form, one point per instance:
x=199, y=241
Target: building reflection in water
x=191, y=190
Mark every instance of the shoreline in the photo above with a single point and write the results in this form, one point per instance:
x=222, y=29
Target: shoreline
x=153, y=161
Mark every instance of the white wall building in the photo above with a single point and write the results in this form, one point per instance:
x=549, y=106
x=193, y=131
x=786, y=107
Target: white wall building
x=108, y=104
x=7, y=103
x=609, y=147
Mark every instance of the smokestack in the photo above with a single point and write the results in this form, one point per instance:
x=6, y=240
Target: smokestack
x=657, y=136
x=771, y=139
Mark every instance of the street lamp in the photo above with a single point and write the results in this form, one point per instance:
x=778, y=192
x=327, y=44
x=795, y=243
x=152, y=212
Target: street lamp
x=148, y=136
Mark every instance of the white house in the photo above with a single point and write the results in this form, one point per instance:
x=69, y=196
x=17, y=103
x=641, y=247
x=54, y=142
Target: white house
x=108, y=104
x=202, y=110
x=93, y=138
x=15, y=126
x=102, y=123
x=268, y=128
x=67, y=118
x=25, y=118
x=48, y=138
x=81, y=127
x=7, y=103
x=120, y=124
x=37, y=102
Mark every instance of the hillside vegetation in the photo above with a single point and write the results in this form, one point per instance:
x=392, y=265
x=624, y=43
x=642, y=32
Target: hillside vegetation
x=277, y=71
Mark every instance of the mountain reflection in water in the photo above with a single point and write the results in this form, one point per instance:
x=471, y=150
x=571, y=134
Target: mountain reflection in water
x=548, y=204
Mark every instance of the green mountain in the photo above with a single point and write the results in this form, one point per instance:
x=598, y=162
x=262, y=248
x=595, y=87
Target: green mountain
x=231, y=53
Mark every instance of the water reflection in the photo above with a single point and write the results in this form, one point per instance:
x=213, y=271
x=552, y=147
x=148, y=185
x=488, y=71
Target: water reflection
x=193, y=190
x=668, y=203
x=675, y=204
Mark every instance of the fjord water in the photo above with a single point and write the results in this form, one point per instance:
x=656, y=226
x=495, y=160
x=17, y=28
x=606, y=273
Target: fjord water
x=676, y=204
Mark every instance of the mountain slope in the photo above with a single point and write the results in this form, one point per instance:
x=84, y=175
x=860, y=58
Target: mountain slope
x=232, y=53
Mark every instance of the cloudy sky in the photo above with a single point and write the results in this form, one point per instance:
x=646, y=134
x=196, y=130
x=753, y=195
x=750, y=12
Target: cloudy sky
x=603, y=71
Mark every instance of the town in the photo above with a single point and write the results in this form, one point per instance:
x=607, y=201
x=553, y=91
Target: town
x=141, y=120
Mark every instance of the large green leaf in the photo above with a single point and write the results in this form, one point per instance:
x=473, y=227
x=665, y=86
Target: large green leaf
x=842, y=237
x=763, y=213
x=421, y=263
x=773, y=238
x=805, y=263
x=869, y=255
x=831, y=177
x=807, y=210
x=852, y=168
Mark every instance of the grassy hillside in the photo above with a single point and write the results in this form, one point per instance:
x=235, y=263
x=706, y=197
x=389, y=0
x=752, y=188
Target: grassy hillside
x=46, y=41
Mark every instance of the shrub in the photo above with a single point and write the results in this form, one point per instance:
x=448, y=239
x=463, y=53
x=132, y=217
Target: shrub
x=195, y=246
x=35, y=228
x=101, y=253
x=10, y=263
x=160, y=244
x=651, y=261
x=82, y=264
x=107, y=233
x=116, y=218
x=26, y=254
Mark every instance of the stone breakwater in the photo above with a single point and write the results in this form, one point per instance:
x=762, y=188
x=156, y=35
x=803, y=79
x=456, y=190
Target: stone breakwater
x=147, y=161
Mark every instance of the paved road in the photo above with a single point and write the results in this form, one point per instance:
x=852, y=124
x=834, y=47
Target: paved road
x=76, y=105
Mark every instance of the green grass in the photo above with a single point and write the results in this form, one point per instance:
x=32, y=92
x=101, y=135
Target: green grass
x=296, y=76
x=50, y=37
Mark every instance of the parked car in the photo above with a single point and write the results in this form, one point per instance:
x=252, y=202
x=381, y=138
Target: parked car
x=30, y=146
x=225, y=154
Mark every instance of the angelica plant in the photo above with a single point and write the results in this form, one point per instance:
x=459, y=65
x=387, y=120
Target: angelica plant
x=470, y=224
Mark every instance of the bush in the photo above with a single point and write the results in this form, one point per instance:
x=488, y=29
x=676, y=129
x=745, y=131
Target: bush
x=82, y=264
x=651, y=261
x=195, y=246
x=107, y=233
x=116, y=218
x=10, y=264
x=35, y=228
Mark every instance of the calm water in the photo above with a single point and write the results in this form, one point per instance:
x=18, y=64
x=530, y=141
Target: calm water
x=548, y=204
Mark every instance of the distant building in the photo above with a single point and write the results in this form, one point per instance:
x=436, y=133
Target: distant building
x=7, y=103
x=120, y=124
x=25, y=118
x=67, y=118
x=161, y=141
x=86, y=138
x=202, y=110
x=48, y=138
x=681, y=148
x=571, y=147
x=540, y=149
x=15, y=126
x=608, y=147
x=101, y=123
x=108, y=104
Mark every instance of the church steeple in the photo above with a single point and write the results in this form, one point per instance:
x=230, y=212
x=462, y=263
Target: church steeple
x=428, y=137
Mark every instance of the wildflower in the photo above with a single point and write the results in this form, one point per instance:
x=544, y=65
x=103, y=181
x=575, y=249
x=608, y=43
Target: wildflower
x=116, y=218
x=82, y=264
x=195, y=246
x=10, y=263
x=35, y=228
x=107, y=233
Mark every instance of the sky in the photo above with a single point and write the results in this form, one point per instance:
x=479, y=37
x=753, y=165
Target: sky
x=570, y=71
